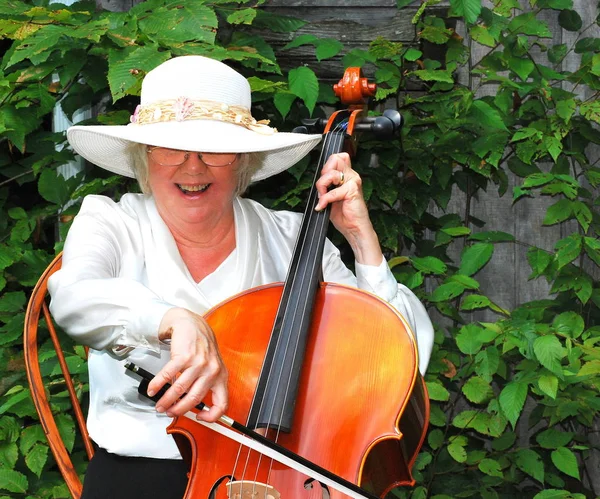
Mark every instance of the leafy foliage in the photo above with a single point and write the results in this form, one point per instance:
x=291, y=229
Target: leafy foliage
x=513, y=397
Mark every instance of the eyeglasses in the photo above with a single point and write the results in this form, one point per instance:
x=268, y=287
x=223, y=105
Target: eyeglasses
x=175, y=157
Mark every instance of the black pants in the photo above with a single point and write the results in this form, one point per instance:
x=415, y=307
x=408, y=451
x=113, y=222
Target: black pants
x=110, y=476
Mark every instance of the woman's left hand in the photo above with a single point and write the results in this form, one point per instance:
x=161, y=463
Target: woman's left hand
x=341, y=187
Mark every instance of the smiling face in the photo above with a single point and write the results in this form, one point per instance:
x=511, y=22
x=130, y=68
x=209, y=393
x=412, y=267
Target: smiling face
x=193, y=192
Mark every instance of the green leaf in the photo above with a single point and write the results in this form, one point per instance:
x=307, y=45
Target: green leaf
x=568, y=248
x=12, y=301
x=522, y=66
x=490, y=467
x=434, y=75
x=565, y=461
x=473, y=302
x=446, y=292
x=570, y=20
x=456, y=231
x=549, y=352
x=429, y=265
x=126, y=68
x=538, y=179
x=483, y=35
x=457, y=452
x=13, y=481
x=327, y=48
x=488, y=361
x=412, y=54
x=486, y=116
x=435, y=439
x=553, y=439
x=304, y=83
x=475, y=257
x=470, y=339
x=30, y=436
x=283, y=102
x=9, y=453
x=548, y=384
x=557, y=53
x=592, y=249
x=591, y=368
x=529, y=24
x=553, y=146
x=36, y=458
x=583, y=214
x=242, y=16
x=591, y=110
x=531, y=463
x=437, y=391
x=512, y=400
x=53, y=187
x=569, y=324
x=469, y=9
x=66, y=428
x=558, y=212
x=13, y=397
x=300, y=40
x=557, y=494
x=403, y=3
x=566, y=108
x=477, y=390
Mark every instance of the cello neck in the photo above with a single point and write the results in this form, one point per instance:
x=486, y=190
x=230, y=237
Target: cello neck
x=277, y=387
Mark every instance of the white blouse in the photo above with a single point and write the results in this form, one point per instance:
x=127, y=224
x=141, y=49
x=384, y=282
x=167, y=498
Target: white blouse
x=122, y=271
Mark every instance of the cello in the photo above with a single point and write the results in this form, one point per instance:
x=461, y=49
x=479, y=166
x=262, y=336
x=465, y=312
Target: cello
x=323, y=376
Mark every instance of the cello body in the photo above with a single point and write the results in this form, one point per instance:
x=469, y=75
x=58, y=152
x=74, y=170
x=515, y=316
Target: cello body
x=361, y=411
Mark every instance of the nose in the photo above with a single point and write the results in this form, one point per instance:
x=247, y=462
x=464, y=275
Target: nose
x=194, y=163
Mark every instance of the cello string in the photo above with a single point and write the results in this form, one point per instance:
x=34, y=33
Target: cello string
x=278, y=346
x=294, y=277
x=334, y=145
x=316, y=236
x=330, y=146
x=311, y=213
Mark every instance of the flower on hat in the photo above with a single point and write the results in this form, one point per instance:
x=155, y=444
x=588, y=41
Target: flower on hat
x=182, y=107
x=134, y=117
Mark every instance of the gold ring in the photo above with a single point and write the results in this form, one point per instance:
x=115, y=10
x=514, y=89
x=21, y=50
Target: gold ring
x=341, y=178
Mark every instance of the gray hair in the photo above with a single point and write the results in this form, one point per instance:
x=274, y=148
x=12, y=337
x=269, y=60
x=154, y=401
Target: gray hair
x=247, y=166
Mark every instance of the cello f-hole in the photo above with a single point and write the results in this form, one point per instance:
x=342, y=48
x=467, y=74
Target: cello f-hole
x=309, y=484
x=213, y=491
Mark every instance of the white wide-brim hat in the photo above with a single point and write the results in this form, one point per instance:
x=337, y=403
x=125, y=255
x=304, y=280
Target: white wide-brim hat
x=192, y=103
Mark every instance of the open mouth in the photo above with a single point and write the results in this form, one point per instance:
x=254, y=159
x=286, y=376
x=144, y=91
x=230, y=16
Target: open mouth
x=192, y=189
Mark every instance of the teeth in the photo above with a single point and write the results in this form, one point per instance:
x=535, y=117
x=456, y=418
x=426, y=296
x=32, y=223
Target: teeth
x=192, y=188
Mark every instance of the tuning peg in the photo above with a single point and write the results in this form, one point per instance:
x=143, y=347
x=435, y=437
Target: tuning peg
x=395, y=117
x=313, y=125
x=386, y=126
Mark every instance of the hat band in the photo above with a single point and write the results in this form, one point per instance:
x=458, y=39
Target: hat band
x=184, y=109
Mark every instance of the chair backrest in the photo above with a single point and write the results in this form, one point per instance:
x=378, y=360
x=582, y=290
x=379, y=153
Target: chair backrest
x=36, y=309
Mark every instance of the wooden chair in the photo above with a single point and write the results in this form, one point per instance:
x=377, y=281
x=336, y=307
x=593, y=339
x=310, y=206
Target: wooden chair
x=36, y=307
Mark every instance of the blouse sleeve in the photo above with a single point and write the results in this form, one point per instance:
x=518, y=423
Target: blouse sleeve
x=380, y=281
x=90, y=298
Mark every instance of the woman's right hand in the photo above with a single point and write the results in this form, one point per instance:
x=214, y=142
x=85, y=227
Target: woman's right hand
x=195, y=367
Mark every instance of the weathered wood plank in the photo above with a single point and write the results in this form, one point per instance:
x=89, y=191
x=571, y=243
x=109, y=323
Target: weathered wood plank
x=356, y=28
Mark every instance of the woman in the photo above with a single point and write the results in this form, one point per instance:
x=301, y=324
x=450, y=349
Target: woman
x=138, y=274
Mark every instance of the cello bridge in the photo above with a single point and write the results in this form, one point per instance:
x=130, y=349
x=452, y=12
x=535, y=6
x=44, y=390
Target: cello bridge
x=247, y=489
